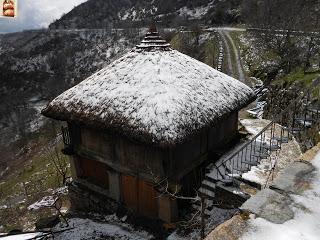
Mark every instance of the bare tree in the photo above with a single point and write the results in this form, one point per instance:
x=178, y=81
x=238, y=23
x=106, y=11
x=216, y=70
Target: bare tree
x=198, y=218
x=60, y=163
x=281, y=21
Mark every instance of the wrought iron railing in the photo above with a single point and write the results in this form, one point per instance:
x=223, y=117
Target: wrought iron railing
x=297, y=119
x=67, y=140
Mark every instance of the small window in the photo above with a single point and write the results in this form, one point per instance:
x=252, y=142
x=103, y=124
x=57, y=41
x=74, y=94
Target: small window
x=94, y=172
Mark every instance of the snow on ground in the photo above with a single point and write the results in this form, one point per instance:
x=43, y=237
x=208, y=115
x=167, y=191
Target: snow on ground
x=304, y=226
x=27, y=236
x=88, y=229
x=195, y=13
x=47, y=201
x=254, y=126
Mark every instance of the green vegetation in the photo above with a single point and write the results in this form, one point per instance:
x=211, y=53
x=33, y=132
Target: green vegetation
x=39, y=171
x=28, y=183
x=297, y=76
x=211, y=49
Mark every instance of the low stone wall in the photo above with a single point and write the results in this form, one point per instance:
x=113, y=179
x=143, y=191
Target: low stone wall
x=85, y=200
x=230, y=230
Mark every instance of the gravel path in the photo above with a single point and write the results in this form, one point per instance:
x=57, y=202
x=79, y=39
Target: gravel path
x=231, y=48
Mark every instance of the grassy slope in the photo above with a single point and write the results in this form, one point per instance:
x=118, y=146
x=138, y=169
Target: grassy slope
x=39, y=174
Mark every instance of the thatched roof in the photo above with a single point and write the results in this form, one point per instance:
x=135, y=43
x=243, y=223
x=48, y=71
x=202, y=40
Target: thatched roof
x=153, y=94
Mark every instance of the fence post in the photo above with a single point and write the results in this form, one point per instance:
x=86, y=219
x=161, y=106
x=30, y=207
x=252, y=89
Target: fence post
x=203, y=208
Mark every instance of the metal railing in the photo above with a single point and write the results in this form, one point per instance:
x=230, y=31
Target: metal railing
x=66, y=136
x=67, y=140
x=295, y=120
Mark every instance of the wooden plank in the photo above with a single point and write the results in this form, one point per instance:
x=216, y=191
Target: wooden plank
x=129, y=188
x=94, y=172
x=148, y=201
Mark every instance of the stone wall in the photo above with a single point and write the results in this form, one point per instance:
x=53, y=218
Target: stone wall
x=83, y=199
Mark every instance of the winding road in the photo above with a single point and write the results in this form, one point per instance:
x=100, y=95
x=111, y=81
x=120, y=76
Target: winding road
x=234, y=67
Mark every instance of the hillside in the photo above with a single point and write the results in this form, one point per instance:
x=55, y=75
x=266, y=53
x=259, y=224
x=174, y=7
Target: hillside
x=36, y=66
x=124, y=13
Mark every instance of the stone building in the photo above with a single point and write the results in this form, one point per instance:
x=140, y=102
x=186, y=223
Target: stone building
x=154, y=114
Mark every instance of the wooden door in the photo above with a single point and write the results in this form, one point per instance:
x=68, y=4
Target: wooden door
x=139, y=196
x=94, y=172
x=148, y=201
x=129, y=186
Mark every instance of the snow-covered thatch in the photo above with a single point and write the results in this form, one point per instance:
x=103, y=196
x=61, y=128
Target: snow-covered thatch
x=152, y=94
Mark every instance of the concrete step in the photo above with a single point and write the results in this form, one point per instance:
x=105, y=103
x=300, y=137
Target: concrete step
x=241, y=169
x=255, y=163
x=261, y=156
x=208, y=185
x=208, y=193
x=281, y=139
x=230, y=196
x=250, y=183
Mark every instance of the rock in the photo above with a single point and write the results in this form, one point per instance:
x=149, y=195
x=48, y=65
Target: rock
x=310, y=154
x=230, y=230
x=49, y=222
x=270, y=205
x=295, y=179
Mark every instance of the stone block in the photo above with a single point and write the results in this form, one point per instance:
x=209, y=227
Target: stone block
x=270, y=205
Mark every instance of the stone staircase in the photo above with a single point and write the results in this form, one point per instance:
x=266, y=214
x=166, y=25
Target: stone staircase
x=225, y=175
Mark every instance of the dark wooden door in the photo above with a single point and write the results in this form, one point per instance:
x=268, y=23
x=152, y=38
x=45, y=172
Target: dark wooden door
x=129, y=186
x=148, y=201
x=94, y=172
x=139, y=196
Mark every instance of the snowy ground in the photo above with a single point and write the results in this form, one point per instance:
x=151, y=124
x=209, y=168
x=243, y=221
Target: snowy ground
x=82, y=229
x=306, y=222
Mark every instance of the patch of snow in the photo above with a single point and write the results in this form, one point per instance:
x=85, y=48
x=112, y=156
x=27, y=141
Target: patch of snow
x=304, y=226
x=195, y=13
x=26, y=236
x=3, y=207
x=47, y=201
x=61, y=191
x=254, y=126
x=4, y=171
x=88, y=229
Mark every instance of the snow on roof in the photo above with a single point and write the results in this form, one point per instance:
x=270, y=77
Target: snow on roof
x=153, y=94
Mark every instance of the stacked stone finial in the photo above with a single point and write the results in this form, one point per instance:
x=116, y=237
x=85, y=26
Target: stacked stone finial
x=153, y=40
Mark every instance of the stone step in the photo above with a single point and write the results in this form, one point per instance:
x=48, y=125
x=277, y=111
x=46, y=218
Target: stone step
x=208, y=185
x=250, y=163
x=250, y=183
x=230, y=196
x=261, y=156
x=273, y=147
x=281, y=139
x=208, y=193
x=240, y=169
